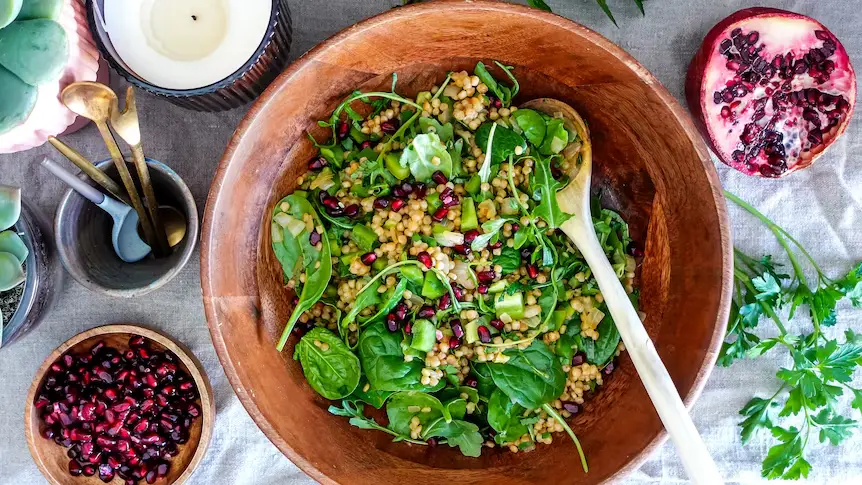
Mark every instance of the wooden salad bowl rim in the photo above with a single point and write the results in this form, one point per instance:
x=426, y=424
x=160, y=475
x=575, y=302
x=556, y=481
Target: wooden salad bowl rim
x=188, y=360
x=210, y=233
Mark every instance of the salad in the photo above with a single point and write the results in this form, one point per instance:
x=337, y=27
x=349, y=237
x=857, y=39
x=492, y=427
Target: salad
x=432, y=281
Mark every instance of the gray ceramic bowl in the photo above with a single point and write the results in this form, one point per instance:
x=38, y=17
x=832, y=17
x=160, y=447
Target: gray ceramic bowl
x=82, y=232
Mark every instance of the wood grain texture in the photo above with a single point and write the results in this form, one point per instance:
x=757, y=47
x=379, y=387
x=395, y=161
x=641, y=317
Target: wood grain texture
x=649, y=161
x=51, y=458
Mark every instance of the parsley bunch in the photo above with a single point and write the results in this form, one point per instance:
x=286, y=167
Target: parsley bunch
x=806, y=405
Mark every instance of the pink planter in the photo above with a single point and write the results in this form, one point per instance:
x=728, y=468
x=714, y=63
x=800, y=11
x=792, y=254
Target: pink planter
x=49, y=116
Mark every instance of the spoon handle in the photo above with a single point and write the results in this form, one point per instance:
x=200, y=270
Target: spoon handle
x=128, y=182
x=692, y=451
x=91, y=193
x=161, y=242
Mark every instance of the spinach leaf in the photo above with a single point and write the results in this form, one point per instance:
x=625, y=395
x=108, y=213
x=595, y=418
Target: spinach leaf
x=317, y=264
x=548, y=301
x=532, y=124
x=556, y=138
x=509, y=259
x=456, y=407
x=370, y=396
x=458, y=433
x=503, y=144
x=383, y=362
x=394, y=297
x=331, y=369
x=565, y=349
x=403, y=406
x=531, y=377
x=548, y=209
x=505, y=417
x=368, y=297
x=421, y=154
x=430, y=125
x=483, y=377
x=600, y=352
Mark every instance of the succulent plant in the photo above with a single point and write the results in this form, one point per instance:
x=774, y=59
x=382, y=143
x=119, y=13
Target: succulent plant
x=13, y=251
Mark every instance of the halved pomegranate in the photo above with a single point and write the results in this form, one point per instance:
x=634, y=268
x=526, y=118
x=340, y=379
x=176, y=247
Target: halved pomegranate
x=771, y=90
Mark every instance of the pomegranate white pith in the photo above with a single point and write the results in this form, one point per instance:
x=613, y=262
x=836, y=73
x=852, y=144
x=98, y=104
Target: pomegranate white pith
x=773, y=89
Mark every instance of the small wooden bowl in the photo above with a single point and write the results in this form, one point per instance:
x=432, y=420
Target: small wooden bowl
x=649, y=161
x=51, y=458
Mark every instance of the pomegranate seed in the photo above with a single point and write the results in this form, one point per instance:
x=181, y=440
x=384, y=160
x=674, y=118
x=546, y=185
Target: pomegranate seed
x=532, y=271
x=457, y=328
x=471, y=381
x=352, y=210
x=458, y=291
x=398, y=204
x=162, y=470
x=88, y=470
x=578, y=359
x=397, y=191
x=470, y=236
x=391, y=323
x=432, y=442
x=314, y=238
x=106, y=473
x=496, y=245
x=137, y=341
x=484, y=335
x=440, y=214
x=318, y=163
x=343, y=130
x=365, y=144
x=462, y=249
x=381, y=203
x=486, y=276
x=426, y=312
x=439, y=178
x=635, y=250
x=425, y=259
x=498, y=324
x=97, y=347
x=389, y=127
x=483, y=289
x=75, y=468
x=515, y=227
x=408, y=328
x=401, y=311
x=571, y=407
x=454, y=342
x=368, y=258
x=407, y=188
x=445, y=302
x=420, y=190
x=608, y=369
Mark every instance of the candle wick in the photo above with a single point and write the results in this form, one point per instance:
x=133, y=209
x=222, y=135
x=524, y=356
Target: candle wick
x=194, y=17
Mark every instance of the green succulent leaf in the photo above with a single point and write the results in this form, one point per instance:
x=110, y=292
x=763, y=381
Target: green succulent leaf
x=10, y=206
x=11, y=242
x=11, y=272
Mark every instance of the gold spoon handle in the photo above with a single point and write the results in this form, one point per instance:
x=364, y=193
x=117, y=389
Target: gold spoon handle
x=128, y=182
x=150, y=199
x=91, y=170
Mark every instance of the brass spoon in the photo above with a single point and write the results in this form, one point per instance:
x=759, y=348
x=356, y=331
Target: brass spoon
x=127, y=126
x=95, y=101
x=575, y=200
x=175, y=224
x=91, y=170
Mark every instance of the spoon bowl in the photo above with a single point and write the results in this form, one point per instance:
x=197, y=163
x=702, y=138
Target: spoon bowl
x=93, y=101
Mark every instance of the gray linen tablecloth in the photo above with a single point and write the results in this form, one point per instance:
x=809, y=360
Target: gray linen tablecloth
x=821, y=206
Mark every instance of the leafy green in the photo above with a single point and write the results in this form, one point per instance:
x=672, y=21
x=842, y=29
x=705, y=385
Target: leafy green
x=509, y=259
x=505, y=417
x=531, y=377
x=295, y=253
x=490, y=230
x=421, y=155
x=394, y=296
x=366, y=298
x=822, y=367
x=600, y=352
x=331, y=369
x=383, y=362
x=370, y=396
x=503, y=144
x=540, y=4
x=458, y=433
x=446, y=132
x=403, y=406
x=504, y=93
x=556, y=138
x=532, y=124
x=354, y=412
x=548, y=209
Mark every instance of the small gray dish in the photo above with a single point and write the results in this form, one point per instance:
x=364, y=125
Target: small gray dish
x=82, y=233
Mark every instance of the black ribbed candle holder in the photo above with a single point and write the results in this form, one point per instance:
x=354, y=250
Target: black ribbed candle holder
x=241, y=87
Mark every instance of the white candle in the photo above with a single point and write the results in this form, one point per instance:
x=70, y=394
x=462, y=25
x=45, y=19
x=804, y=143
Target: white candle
x=186, y=44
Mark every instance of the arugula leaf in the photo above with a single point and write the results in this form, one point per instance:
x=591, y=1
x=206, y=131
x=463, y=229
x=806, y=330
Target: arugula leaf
x=430, y=125
x=358, y=419
x=509, y=259
x=458, y=433
x=540, y=4
x=489, y=230
x=548, y=209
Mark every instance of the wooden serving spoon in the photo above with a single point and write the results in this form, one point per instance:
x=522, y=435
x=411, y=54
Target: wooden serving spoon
x=575, y=200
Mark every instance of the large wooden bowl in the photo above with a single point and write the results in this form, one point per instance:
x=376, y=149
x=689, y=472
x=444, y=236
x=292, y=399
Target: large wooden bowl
x=649, y=160
x=51, y=458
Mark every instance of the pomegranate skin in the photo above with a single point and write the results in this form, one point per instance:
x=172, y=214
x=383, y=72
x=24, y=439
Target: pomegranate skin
x=725, y=137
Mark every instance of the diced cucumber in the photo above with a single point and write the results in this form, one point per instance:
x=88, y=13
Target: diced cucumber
x=364, y=237
x=433, y=288
x=474, y=185
x=357, y=135
x=393, y=164
x=424, y=335
x=433, y=200
x=469, y=220
x=413, y=274
x=471, y=332
x=347, y=259
x=513, y=305
x=498, y=286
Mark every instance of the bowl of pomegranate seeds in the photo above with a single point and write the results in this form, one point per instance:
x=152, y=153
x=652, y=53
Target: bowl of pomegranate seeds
x=122, y=404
